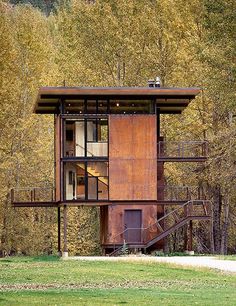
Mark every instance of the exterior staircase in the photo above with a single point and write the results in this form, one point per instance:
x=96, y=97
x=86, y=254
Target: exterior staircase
x=164, y=226
x=94, y=172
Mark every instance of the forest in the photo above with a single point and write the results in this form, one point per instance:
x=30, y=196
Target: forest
x=187, y=43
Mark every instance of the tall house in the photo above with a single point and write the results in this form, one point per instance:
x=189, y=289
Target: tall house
x=109, y=153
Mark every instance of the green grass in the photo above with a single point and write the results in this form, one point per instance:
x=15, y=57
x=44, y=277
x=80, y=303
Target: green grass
x=50, y=281
x=227, y=257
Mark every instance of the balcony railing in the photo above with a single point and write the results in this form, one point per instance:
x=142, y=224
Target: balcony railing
x=33, y=195
x=182, y=150
x=171, y=193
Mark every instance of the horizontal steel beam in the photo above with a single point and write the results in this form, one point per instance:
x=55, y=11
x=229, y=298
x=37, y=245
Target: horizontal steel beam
x=35, y=204
x=181, y=159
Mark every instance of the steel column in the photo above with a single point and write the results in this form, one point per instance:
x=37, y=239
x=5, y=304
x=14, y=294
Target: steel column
x=65, y=248
x=59, y=230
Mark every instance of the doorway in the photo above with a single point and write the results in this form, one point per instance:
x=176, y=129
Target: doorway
x=132, y=225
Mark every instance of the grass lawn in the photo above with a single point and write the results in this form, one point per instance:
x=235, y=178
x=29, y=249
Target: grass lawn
x=50, y=281
x=227, y=257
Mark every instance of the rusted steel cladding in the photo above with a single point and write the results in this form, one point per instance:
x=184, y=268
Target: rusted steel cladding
x=103, y=223
x=132, y=157
x=116, y=221
x=58, y=143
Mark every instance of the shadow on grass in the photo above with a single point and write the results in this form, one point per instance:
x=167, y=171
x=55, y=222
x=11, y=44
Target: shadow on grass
x=40, y=258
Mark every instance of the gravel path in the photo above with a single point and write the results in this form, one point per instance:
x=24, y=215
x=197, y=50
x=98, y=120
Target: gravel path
x=194, y=261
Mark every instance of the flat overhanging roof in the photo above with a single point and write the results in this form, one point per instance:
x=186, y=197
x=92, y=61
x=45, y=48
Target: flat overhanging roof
x=168, y=100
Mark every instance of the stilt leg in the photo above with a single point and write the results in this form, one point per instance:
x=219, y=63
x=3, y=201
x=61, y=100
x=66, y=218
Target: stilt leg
x=190, y=241
x=59, y=231
x=65, y=249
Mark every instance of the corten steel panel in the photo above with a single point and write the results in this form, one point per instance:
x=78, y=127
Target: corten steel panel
x=57, y=156
x=132, y=157
x=144, y=133
x=120, y=179
x=120, y=137
x=103, y=224
x=144, y=179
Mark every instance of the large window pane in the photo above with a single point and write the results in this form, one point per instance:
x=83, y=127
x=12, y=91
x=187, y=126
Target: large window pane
x=97, y=136
x=103, y=188
x=69, y=139
x=86, y=181
x=74, y=181
x=79, y=138
x=92, y=188
x=97, y=168
x=74, y=138
x=97, y=180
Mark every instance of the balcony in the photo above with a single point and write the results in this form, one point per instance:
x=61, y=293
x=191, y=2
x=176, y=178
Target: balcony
x=33, y=197
x=182, y=151
x=170, y=194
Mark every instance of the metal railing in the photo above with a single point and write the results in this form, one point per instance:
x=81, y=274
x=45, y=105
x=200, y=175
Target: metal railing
x=182, y=149
x=32, y=194
x=191, y=209
x=174, y=193
x=94, y=149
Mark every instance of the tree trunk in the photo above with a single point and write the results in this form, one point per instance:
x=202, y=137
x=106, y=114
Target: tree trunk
x=216, y=219
x=224, y=231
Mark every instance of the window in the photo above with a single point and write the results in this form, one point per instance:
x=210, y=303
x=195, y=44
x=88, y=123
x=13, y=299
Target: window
x=113, y=106
x=86, y=181
x=86, y=137
x=69, y=135
x=74, y=106
x=97, y=180
x=97, y=137
x=131, y=107
x=74, y=181
x=71, y=177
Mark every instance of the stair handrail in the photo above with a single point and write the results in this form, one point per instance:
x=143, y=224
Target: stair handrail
x=190, y=203
x=88, y=151
x=77, y=144
x=99, y=176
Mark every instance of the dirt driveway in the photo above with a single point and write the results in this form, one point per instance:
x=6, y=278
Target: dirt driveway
x=194, y=261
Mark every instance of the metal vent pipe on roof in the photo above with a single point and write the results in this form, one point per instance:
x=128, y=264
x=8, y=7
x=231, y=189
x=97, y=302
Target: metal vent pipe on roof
x=158, y=82
x=154, y=83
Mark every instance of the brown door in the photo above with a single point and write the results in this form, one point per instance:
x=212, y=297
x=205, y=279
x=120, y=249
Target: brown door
x=133, y=224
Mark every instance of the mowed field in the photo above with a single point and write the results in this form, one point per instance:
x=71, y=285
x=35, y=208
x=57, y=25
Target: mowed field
x=51, y=281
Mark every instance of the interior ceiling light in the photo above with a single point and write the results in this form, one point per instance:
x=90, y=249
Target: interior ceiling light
x=117, y=104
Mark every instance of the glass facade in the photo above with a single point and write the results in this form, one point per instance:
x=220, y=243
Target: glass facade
x=86, y=138
x=111, y=106
x=86, y=180
x=85, y=146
